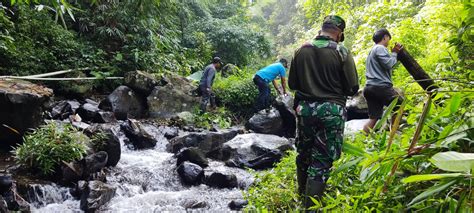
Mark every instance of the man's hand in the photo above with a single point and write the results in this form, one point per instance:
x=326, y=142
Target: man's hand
x=397, y=48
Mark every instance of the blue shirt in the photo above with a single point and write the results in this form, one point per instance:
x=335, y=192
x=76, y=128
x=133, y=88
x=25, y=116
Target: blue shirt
x=270, y=72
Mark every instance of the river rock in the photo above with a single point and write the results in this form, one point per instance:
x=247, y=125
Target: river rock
x=140, y=81
x=104, y=117
x=207, y=142
x=190, y=173
x=95, y=195
x=6, y=183
x=94, y=163
x=125, y=103
x=357, y=106
x=3, y=205
x=63, y=109
x=166, y=101
x=111, y=144
x=284, y=105
x=169, y=132
x=221, y=180
x=88, y=112
x=237, y=205
x=266, y=122
x=194, y=204
x=137, y=135
x=193, y=155
x=256, y=151
x=21, y=107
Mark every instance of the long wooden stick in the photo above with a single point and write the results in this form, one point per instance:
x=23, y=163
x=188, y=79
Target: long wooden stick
x=61, y=79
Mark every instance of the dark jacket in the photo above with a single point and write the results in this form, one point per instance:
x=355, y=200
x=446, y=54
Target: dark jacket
x=323, y=71
x=208, y=76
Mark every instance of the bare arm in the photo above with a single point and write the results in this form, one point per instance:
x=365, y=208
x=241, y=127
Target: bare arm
x=275, y=84
x=283, y=85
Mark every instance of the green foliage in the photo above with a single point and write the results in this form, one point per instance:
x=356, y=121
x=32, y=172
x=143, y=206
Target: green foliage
x=219, y=116
x=275, y=190
x=237, y=92
x=48, y=146
x=397, y=179
x=99, y=140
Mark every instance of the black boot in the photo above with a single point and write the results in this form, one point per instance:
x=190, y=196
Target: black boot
x=313, y=189
x=301, y=176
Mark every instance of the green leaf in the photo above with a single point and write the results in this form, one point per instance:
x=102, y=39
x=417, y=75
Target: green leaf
x=455, y=103
x=353, y=150
x=347, y=165
x=386, y=114
x=418, y=178
x=431, y=191
x=454, y=161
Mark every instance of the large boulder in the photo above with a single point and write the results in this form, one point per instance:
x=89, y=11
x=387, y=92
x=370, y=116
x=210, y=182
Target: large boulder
x=21, y=107
x=256, y=151
x=221, y=180
x=193, y=155
x=357, y=107
x=190, y=173
x=207, y=142
x=284, y=105
x=266, y=122
x=95, y=194
x=166, y=101
x=140, y=81
x=138, y=135
x=110, y=143
x=125, y=103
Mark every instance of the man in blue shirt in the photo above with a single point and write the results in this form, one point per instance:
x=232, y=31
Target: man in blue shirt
x=267, y=75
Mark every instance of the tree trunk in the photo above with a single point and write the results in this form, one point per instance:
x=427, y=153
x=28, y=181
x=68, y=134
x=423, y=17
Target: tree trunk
x=415, y=70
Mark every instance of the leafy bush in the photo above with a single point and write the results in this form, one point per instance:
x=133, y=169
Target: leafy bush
x=48, y=146
x=275, y=190
x=220, y=117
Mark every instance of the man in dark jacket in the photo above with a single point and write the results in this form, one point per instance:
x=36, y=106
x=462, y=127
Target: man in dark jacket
x=322, y=73
x=205, y=85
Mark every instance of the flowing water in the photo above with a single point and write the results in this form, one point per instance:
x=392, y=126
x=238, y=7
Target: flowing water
x=147, y=181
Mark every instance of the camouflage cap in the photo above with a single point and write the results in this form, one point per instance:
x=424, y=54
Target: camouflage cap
x=336, y=21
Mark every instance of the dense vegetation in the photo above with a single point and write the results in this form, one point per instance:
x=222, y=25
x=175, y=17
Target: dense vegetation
x=46, y=148
x=417, y=165
x=403, y=168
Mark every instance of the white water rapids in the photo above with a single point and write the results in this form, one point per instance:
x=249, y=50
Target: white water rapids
x=147, y=181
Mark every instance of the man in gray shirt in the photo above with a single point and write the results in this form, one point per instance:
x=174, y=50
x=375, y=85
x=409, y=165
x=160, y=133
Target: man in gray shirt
x=379, y=90
x=205, y=85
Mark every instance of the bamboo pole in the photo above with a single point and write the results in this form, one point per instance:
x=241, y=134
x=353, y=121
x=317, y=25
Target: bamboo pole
x=415, y=70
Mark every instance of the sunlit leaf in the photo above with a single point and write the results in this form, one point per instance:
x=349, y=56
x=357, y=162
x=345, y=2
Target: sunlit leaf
x=454, y=161
x=418, y=178
x=431, y=191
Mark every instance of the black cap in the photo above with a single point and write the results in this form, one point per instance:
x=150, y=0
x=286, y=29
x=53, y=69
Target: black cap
x=216, y=60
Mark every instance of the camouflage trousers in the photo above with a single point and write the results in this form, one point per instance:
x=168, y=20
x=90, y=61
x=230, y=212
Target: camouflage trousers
x=319, y=139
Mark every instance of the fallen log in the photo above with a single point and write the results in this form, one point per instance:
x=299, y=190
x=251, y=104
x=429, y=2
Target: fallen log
x=415, y=70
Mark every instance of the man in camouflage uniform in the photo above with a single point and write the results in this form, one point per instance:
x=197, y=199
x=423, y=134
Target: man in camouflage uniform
x=323, y=74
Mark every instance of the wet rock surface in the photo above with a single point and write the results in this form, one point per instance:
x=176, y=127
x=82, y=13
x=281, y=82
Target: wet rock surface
x=207, y=142
x=257, y=151
x=141, y=81
x=266, y=121
x=221, y=180
x=190, y=173
x=193, y=155
x=95, y=195
x=124, y=103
